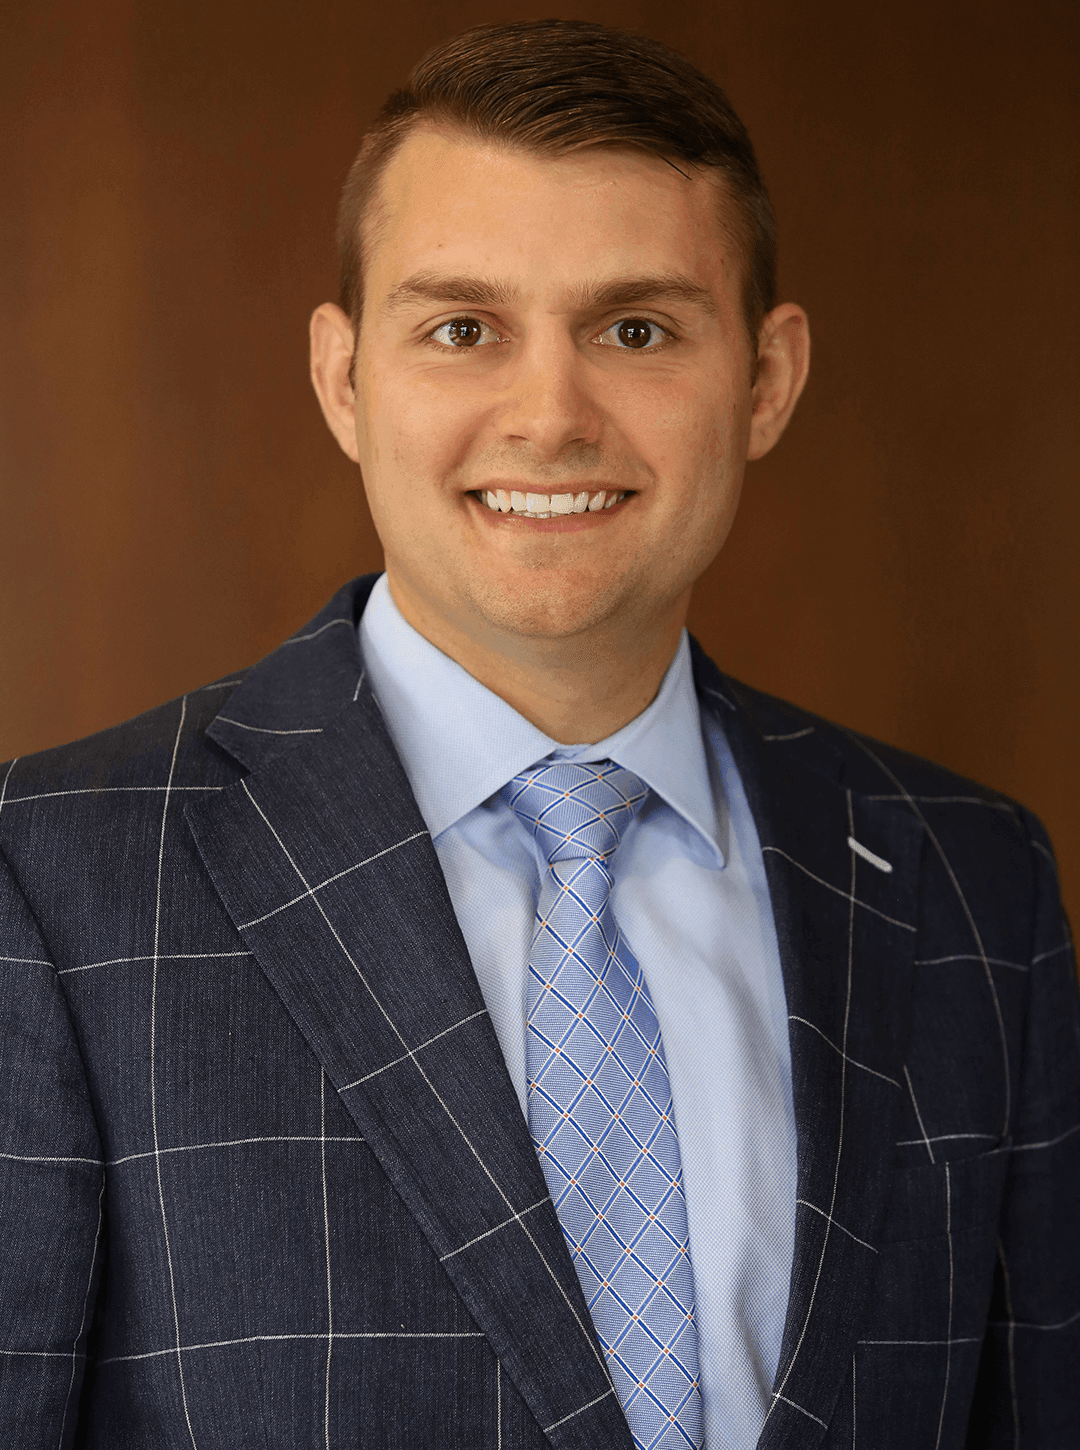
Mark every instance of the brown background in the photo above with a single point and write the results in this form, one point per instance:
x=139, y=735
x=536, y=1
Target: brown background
x=172, y=505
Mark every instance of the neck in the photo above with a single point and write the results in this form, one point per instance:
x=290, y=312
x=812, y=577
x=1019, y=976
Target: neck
x=577, y=689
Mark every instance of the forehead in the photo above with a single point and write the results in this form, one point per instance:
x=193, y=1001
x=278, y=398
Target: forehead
x=452, y=203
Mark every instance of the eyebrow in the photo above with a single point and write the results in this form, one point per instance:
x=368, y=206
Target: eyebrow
x=626, y=291
x=588, y=297
x=442, y=287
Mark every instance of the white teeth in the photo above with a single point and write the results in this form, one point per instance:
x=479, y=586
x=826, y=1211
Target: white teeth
x=546, y=506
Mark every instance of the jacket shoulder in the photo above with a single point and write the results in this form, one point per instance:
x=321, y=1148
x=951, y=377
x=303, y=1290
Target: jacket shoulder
x=869, y=766
x=140, y=754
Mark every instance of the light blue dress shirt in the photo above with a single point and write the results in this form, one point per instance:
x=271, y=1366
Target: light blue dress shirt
x=691, y=898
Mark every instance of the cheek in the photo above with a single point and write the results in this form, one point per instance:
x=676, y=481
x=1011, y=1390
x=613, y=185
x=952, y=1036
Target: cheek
x=411, y=433
x=709, y=452
x=694, y=435
x=699, y=394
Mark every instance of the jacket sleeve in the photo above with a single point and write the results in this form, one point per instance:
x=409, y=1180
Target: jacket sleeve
x=1028, y=1391
x=52, y=1191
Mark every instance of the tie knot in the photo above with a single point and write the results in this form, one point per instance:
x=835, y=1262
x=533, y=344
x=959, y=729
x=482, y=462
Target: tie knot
x=574, y=810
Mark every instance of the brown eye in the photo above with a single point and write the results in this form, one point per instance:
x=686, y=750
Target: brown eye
x=464, y=332
x=635, y=333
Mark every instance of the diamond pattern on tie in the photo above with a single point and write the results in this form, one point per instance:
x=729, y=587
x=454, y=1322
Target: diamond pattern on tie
x=599, y=1102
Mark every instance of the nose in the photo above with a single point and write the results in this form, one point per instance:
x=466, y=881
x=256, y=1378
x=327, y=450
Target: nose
x=548, y=405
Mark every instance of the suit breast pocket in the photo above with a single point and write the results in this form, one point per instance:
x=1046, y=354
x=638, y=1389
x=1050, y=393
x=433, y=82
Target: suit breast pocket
x=943, y=1198
x=936, y=1262
x=926, y=1321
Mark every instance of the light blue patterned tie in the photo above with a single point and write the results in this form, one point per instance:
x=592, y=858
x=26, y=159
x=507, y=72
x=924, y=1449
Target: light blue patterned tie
x=599, y=1102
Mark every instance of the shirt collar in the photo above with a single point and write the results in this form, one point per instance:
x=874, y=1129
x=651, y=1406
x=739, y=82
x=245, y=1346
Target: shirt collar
x=440, y=716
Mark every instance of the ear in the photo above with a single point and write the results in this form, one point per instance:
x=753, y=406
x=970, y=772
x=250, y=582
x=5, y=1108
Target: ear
x=331, y=362
x=783, y=362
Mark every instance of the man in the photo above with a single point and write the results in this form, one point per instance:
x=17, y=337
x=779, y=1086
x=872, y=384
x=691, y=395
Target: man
x=482, y=1023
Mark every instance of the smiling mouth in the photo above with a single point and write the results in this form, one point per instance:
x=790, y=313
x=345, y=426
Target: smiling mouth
x=548, y=505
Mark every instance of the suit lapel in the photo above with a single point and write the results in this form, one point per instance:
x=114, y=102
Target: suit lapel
x=325, y=866
x=847, y=968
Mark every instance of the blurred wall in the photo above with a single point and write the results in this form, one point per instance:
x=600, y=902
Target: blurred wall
x=172, y=504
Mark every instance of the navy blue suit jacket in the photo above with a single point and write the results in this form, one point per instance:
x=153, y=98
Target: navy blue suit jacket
x=264, y=1181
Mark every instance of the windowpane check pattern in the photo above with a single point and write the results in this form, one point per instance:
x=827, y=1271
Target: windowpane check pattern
x=599, y=1102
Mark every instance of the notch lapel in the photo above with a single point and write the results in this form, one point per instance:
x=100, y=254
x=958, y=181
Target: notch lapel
x=325, y=866
x=846, y=933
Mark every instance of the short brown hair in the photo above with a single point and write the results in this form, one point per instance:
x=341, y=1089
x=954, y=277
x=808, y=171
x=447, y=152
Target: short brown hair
x=552, y=86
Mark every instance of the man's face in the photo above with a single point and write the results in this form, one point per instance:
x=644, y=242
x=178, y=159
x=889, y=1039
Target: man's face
x=561, y=327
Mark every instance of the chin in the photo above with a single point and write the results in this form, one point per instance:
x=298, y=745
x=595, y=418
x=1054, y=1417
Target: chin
x=550, y=606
